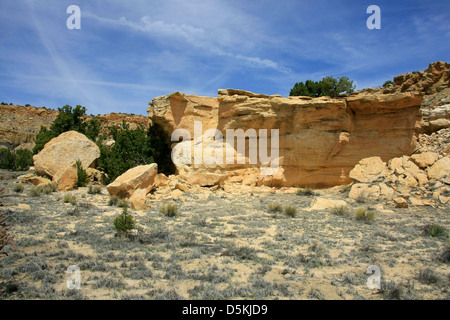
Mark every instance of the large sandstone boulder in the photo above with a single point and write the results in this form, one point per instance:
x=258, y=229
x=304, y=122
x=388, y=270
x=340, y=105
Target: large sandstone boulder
x=140, y=178
x=425, y=159
x=64, y=151
x=440, y=169
x=369, y=170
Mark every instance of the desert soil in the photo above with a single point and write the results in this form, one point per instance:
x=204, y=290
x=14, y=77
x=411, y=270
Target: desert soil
x=220, y=246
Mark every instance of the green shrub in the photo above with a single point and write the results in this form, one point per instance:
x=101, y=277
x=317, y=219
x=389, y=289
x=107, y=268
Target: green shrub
x=290, y=211
x=122, y=203
x=328, y=86
x=340, y=211
x=427, y=276
x=24, y=160
x=47, y=188
x=95, y=189
x=435, y=230
x=169, y=210
x=275, y=207
x=124, y=222
x=18, y=188
x=364, y=214
x=68, y=119
x=68, y=198
x=392, y=290
x=93, y=128
x=20, y=160
x=113, y=200
x=7, y=159
x=305, y=192
x=83, y=178
x=35, y=191
x=388, y=83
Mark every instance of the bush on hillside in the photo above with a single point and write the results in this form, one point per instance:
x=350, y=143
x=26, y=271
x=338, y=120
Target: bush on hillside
x=20, y=160
x=328, y=86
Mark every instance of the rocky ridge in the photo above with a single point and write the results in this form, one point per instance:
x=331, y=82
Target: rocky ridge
x=19, y=125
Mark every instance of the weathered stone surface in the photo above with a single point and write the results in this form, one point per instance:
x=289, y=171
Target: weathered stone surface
x=138, y=199
x=33, y=179
x=65, y=150
x=369, y=170
x=204, y=179
x=362, y=191
x=420, y=202
x=19, y=125
x=435, y=118
x=440, y=169
x=400, y=202
x=410, y=175
x=425, y=159
x=66, y=178
x=161, y=180
x=386, y=192
x=140, y=177
x=320, y=139
x=181, y=187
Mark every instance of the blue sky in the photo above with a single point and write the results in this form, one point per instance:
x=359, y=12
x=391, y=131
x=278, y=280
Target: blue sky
x=128, y=52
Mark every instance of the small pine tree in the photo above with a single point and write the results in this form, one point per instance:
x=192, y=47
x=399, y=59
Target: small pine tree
x=328, y=86
x=81, y=174
x=93, y=128
x=388, y=83
x=24, y=159
x=68, y=119
x=21, y=160
x=124, y=222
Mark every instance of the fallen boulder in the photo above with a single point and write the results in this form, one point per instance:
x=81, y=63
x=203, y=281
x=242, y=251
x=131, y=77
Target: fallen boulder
x=369, y=170
x=135, y=184
x=66, y=178
x=64, y=151
x=440, y=169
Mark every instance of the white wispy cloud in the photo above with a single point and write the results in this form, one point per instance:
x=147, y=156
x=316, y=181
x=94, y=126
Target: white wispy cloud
x=195, y=36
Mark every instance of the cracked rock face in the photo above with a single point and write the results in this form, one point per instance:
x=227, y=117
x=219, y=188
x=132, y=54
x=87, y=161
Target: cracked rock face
x=320, y=139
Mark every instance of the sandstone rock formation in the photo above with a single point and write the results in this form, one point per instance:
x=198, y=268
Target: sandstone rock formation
x=135, y=184
x=432, y=80
x=64, y=151
x=320, y=139
x=19, y=125
x=401, y=180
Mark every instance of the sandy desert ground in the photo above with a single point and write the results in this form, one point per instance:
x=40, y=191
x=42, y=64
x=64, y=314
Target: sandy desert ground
x=221, y=246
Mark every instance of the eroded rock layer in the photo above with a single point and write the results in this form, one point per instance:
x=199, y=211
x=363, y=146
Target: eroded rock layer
x=320, y=139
